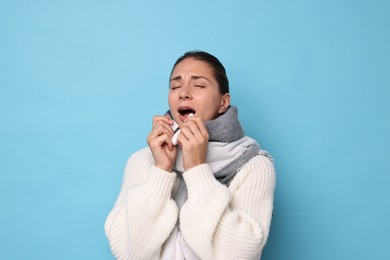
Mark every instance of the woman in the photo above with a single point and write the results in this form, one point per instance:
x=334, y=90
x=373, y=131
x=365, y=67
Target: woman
x=210, y=196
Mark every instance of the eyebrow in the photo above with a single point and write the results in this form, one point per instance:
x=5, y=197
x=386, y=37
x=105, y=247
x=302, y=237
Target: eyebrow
x=194, y=77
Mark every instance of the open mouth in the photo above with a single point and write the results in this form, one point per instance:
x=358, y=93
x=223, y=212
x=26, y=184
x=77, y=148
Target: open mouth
x=186, y=111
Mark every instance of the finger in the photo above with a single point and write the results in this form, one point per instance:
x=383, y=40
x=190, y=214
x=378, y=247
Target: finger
x=192, y=130
x=201, y=126
x=182, y=139
x=186, y=133
x=170, y=144
x=194, y=127
x=161, y=140
x=166, y=119
x=188, y=139
x=167, y=140
x=162, y=127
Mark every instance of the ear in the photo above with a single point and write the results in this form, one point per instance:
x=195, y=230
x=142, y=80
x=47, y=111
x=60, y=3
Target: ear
x=225, y=103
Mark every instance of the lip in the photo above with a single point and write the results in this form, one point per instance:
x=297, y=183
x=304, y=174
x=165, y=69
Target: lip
x=181, y=117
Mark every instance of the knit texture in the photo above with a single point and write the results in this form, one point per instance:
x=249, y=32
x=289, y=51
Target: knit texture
x=217, y=222
x=228, y=147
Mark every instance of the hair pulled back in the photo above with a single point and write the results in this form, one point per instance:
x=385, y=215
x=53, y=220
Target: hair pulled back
x=218, y=69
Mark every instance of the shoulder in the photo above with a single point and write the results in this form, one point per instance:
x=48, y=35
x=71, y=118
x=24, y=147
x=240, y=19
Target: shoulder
x=138, y=166
x=259, y=170
x=261, y=163
x=143, y=156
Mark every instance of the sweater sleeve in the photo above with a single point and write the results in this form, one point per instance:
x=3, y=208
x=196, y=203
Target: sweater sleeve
x=144, y=214
x=229, y=223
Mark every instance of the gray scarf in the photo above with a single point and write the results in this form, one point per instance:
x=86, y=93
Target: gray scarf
x=229, y=149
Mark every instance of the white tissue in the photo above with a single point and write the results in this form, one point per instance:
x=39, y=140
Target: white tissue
x=176, y=135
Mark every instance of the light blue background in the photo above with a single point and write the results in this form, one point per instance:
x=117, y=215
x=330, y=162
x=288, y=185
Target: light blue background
x=81, y=80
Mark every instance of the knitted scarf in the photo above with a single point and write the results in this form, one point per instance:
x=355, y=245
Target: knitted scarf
x=228, y=149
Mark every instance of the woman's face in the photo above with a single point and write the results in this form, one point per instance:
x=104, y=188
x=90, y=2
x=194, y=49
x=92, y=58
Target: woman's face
x=193, y=89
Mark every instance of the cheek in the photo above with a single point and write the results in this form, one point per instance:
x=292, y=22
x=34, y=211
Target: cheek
x=170, y=100
x=210, y=108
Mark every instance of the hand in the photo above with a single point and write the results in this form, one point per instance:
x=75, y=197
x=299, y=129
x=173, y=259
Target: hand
x=193, y=139
x=160, y=143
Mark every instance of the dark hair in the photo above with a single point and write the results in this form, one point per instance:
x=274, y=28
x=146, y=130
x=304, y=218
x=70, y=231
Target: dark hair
x=218, y=68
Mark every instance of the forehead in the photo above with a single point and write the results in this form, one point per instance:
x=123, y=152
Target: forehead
x=191, y=66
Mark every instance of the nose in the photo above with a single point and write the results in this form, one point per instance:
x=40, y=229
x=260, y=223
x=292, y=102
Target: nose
x=184, y=93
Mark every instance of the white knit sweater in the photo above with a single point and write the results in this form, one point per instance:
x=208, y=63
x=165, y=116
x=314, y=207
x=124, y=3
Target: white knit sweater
x=217, y=222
